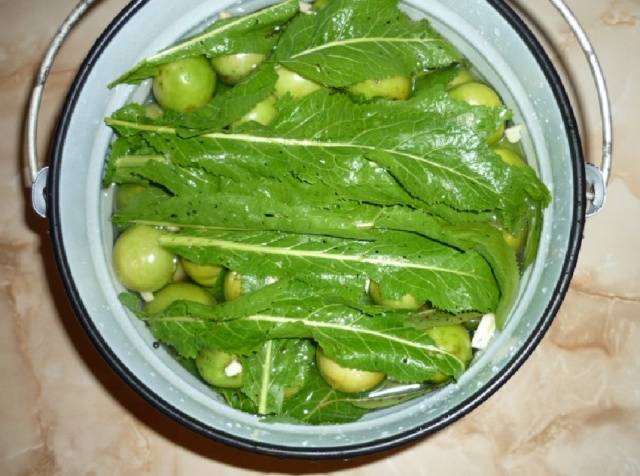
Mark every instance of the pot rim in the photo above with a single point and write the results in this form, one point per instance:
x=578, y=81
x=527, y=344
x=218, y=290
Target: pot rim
x=349, y=451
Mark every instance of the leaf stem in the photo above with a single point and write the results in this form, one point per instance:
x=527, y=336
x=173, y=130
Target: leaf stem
x=127, y=161
x=266, y=377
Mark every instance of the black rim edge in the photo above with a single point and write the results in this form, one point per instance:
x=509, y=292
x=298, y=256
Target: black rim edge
x=408, y=436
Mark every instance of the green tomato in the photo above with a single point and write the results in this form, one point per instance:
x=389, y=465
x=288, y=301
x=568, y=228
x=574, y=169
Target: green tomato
x=178, y=292
x=291, y=391
x=455, y=340
x=184, y=85
x=294, y=84
x=234, y=68
x=179, y=274
x=407, y=301
x=345, y=379
x=232, y=286
x=212, y=365
x=516, y=241
x=263, y=112
x=478, y=94
x=236, y=285
x=463, y=76
x=496, y=136
x=153, y=111
x=140, y=263
x=127, y=193
x=510, y=157
x=397, y=88
x=203, y=274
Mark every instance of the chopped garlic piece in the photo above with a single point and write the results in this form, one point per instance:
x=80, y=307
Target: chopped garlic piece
x=147, y=297
x=233, y=369
x=305, y=7
x=224, y=14
x=484, y=332
x=514, y=133
x=365, y=224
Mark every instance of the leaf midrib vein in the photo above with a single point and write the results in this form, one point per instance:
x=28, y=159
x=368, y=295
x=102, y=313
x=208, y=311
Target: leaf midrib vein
x=286, y=251
x=373, y=39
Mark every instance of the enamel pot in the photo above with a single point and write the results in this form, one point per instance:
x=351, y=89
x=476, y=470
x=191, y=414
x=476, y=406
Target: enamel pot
x=70, y=195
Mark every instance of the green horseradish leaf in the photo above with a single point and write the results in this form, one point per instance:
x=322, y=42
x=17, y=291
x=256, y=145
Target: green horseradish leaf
x=257, y=32
x=431, y=150
x=356, y=338
x=400, y=262
x=356, y=40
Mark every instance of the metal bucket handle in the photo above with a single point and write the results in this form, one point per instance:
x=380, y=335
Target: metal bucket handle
x=597, y=177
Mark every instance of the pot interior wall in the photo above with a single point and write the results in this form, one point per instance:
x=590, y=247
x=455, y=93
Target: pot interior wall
x=83, y=213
